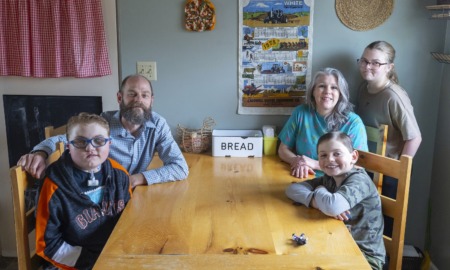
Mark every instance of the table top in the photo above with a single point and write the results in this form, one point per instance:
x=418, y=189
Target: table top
x=231, y=213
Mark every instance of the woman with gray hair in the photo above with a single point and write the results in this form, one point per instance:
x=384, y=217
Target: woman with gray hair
x=327, y=108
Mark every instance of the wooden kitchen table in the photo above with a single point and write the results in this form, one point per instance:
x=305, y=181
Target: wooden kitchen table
x=231, y=213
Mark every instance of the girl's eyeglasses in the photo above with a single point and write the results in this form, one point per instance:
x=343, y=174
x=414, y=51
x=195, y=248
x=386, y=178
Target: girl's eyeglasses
x=374, y=65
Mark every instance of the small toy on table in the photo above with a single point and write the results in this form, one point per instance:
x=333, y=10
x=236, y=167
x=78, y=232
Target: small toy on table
x=299, y=240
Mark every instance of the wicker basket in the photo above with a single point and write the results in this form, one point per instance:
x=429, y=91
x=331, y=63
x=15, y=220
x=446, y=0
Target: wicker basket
x=196, y=140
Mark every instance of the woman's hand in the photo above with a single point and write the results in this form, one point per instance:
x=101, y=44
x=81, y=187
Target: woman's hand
x=301, y=166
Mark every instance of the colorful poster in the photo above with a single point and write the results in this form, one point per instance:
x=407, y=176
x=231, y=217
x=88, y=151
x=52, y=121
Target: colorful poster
x=275, y=42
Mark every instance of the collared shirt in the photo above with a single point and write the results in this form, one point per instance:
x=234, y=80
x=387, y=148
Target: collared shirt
x=136, y=153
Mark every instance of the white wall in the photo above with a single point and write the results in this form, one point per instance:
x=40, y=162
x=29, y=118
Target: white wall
x=104, y=86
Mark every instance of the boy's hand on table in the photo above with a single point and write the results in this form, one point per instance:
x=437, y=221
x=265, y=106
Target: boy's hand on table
x=344, y=216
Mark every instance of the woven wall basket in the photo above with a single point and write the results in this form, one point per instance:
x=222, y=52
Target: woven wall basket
x=363, y=15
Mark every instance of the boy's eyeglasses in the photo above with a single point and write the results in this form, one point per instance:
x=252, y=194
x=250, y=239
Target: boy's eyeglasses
x=95, y=142
x=373, y=65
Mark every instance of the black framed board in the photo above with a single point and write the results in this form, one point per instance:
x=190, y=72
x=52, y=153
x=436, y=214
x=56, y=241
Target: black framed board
x=26, y=117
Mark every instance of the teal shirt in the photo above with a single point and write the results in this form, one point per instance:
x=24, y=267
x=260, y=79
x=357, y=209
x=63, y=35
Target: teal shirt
x=305, y=126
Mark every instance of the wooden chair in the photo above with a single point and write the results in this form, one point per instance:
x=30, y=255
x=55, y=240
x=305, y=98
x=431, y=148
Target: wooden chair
x=378, y=136
x=50, y=131
x=394, y=208
x=24, y=218
x=55, y=155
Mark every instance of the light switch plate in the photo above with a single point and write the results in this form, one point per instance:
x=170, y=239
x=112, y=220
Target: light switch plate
x=147, y=69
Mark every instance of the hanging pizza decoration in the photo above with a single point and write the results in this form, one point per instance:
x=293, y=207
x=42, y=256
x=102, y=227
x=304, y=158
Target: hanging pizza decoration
x=200, y=15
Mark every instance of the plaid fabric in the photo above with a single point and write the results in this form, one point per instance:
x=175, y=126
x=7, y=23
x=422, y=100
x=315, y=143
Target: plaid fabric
x=46, y=38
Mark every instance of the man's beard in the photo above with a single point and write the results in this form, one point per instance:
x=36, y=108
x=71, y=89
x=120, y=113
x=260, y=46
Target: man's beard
x=133, y=114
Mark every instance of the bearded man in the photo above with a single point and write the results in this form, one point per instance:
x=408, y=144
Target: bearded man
x=137, y=134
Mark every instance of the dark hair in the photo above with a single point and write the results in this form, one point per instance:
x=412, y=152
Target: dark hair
x=124, y=82
x=343, y=107
x=84, y=119
x=338, y=136
x=389, y=50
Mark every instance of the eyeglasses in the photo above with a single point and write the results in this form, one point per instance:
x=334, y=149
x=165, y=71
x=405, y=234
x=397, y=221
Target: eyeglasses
x=96, y=142
x=374, y=65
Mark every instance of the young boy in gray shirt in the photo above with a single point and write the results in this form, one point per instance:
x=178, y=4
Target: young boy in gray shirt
x=345, y=193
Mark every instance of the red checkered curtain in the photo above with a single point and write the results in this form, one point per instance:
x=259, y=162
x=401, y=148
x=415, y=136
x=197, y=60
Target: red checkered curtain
x=53, y=38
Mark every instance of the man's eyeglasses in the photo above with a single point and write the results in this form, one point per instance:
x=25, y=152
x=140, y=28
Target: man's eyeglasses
x=374, y=65
x=95, y=142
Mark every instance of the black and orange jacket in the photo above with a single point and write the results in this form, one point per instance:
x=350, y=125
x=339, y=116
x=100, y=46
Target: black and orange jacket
x=71, y=230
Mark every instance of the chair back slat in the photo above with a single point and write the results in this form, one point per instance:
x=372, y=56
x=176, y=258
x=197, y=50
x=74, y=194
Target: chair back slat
x=20, y=182
x=377, y=163
x=51, y=131
x=378, y=136
x=57, y=154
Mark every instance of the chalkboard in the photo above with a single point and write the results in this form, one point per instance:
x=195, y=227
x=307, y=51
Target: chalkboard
x=26, y=117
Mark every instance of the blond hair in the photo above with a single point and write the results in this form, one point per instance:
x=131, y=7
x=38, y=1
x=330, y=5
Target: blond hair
x=389, y=50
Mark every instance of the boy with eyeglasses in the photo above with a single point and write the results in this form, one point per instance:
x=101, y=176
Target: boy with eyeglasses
x=81, y=198
x=139, y=134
